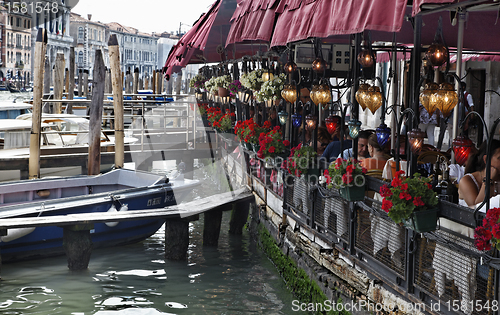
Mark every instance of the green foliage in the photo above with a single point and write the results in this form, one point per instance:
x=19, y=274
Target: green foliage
x=305, y=289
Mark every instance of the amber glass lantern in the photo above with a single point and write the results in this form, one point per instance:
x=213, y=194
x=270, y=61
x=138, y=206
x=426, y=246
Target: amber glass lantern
x=437, y=54
x=290, y=67
x=289, y=93
x=373, y=99
x=366, y=58
x=311, y=122
x=312, y=94
x=425, y=97
x=267, y=76
x=445, y=99
x=332, y=123
x=360, y=94
x=462, y=146
x=416, y=138
x=319, y=65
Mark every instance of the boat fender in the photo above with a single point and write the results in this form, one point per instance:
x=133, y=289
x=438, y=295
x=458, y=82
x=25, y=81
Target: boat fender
x=14, y=234
x=113, y=209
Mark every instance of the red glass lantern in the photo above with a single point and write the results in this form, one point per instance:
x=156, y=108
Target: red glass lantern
x=319, y=65
x=332, y=123
x=462, y=146
x=437, y=54
x=290, y=67
x=366, y=58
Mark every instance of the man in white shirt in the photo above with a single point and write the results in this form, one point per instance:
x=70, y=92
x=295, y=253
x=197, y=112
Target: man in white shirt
x=362, y=147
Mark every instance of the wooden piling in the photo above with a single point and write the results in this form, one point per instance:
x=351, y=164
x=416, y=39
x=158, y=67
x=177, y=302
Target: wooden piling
x=107, y=86
x=211, y=226
x=40, y=48
x=176, y=239
x=135, y=86
x=239, y=217
x=58, y=81
x=178, y=83
x=146, y=82
x=95, y=114
x=153, y=82
x=66, y=81
x=77, y=245
x=114, y=59
x=80, y=83
x=86, y=83
x=71, y=89
x=158, y=82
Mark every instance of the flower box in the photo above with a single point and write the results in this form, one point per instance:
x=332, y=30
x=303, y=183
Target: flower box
x=352, y=193
x=422, y=221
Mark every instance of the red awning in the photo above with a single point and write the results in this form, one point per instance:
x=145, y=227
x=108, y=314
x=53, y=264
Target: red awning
x=252, y=21
x=417, y=4
x=194, y=40
x=387, y=57
x=475, y=57
x=298, y=20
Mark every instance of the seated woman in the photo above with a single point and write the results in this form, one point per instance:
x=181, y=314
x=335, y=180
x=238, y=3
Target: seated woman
x=471, y=187
x=377, y=159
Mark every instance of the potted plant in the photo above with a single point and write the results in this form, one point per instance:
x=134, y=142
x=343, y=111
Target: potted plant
x=349, y=177
x=197, y=82
x=252, y=133
x=271, y=144
x=222, y=84
x=411, y=201
x=211, y=86
x=240, y=129
x=234, y=87
x=214, y=114
x=225, y=122
x=301, y=161
x=252, y=80
x=271, y=90
x=487, y=236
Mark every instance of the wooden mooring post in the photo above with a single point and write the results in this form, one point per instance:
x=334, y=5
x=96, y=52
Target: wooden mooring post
x=95, y=114
x=117, y=83
x=77, y=245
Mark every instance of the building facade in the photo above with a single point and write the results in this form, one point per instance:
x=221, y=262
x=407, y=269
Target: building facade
x=88, y=36
x=16, y=47
x=137, y=49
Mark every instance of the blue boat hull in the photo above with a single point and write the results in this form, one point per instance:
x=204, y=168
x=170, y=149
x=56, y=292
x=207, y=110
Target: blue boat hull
x=48, y=240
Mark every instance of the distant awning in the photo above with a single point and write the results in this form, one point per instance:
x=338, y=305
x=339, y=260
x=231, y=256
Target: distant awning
x=475, y=57
x=387, y=57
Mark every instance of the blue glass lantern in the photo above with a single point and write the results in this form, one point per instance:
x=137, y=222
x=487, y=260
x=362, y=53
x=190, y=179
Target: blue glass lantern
x=383, y=134
x=283, y=117
x=354, y=125
x=297, y=120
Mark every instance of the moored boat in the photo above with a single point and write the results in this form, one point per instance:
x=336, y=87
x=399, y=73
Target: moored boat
x=117, y=190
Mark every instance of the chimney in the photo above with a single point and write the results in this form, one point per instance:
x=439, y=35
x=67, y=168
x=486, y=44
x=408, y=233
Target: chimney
x=89, y=16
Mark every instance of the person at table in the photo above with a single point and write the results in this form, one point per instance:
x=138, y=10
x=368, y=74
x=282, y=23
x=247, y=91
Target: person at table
x=362, y=147
x=377, y=157
x=332, y=151
x=471, y=188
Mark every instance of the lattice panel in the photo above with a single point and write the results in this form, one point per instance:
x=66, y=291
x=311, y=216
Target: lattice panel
x=448, y=269
x=299, y=198
x=332, y=214
x=382, y=239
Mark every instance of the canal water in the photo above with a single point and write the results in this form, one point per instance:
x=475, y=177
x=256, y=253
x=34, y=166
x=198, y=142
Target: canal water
x=234, y=278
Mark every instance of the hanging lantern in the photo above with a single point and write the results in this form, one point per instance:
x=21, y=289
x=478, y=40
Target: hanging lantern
x=383, y=134
x=373, y=99
x=366, y=58
x=445, y=99
x=313, y=95
x=360, y=94
x=296, y=120
x=311, y=122
x=323, y=94
x=416, y=138
x=354, y=125
x=319, y=65
x=267, y=76
x=290, y=67
x=289, y=93
x=332, y=123
x=462, y=146
x=437, y=54
x=425, y=97
x=283, y=117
